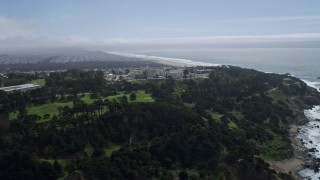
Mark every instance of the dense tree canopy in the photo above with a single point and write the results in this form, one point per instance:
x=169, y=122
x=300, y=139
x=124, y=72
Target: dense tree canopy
x=197, y=129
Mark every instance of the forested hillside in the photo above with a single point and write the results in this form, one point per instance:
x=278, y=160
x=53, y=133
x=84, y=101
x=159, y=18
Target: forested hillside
x=226, y=126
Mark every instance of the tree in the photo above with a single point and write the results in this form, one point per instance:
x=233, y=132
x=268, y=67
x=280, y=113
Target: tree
x=124, y=99
x=185, y=73
x=183, y=175
x=133, y=96
x=57, y=167
x=21, y=165
x=98, y=152
x=22, y=113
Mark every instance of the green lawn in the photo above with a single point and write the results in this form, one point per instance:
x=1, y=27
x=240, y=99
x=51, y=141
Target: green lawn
x=89, y=149
x=108, y=151
x=189, y=105
x=276, y=149
x=276, y=95
x=40, y=110
x=232, y=125
x=51, y=108
x=87, y=99
x=179, y=88
x=216, y=116
x=112, y=149
x=40, y=82
x=62, y=162
x=141, y=97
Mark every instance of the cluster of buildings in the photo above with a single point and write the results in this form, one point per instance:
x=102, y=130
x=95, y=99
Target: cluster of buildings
x=155, y=73
x=129, y=74
x=144, y=73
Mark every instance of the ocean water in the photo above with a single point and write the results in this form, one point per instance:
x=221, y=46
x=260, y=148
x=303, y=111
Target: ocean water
x=303, y=63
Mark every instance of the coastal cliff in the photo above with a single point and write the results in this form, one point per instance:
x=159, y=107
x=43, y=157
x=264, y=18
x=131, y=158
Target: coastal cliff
x=300, y=157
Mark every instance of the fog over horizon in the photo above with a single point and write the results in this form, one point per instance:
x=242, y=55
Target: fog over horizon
x=38, y=44
x=38, y=26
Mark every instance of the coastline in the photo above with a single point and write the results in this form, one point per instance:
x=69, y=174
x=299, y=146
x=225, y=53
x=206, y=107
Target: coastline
x=304, y=157
x=165, y=60
x=299, y=158
x=310, y=137
x=301, y=161
x=172, y=63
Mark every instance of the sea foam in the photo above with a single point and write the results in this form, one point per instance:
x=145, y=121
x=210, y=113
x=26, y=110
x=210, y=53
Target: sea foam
x=313, y=84
x=310, y=135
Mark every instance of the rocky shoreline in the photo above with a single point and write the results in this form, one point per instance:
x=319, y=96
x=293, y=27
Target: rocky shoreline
x=309, y=134
x=300, y=158
x=300, y=152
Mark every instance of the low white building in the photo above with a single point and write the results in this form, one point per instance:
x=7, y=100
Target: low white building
x=175, y=74
x=151, y=73
x=21, y=88
x=136, y=73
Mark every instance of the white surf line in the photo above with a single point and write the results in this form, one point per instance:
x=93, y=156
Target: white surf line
x=315, y=85
x=310, y=134
x=160, y=58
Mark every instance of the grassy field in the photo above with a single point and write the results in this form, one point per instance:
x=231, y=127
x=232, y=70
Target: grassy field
x=276, y=149
x=87, y=99
x=108, y=151
x=52, y=108
x=62, y=162
x=276, y=95
x=89, y=149
x=216, y=116
x=112, y=149
x=232, y=125
x=179, y=87
x=141, y=97
x=40, y=82
x=189, y=105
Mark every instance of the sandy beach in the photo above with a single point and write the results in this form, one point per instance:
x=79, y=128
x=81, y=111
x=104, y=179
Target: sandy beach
x=173, y=63
x=165, y=60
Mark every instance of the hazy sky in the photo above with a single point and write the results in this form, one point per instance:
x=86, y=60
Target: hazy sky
x=157, y=23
